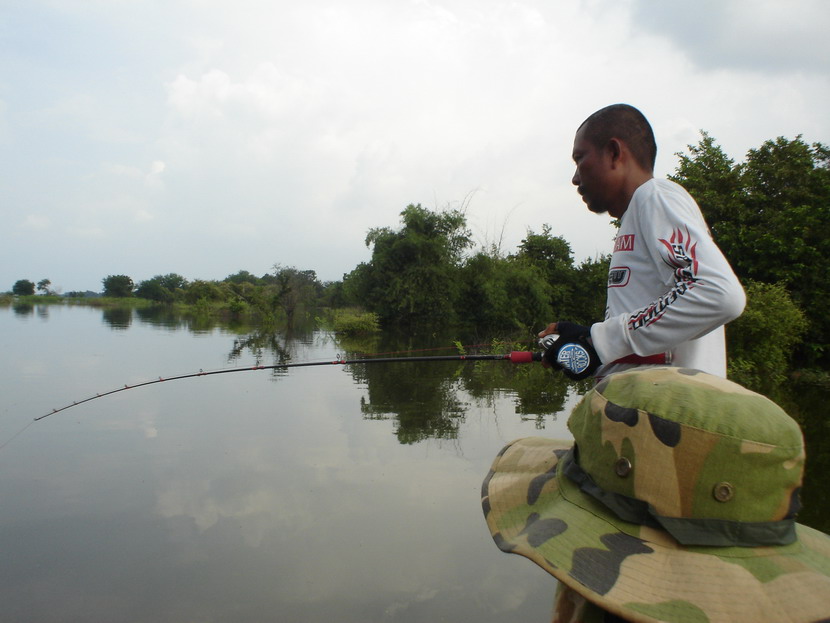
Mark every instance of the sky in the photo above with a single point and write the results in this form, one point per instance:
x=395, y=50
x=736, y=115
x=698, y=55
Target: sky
x=204, y=137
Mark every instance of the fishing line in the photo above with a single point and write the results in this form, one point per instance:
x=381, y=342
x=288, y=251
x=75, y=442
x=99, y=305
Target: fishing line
x=16, y=435
x=513, y=357
x=459, y=349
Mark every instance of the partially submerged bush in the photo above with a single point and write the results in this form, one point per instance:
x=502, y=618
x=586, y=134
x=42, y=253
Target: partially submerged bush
x=353, y=322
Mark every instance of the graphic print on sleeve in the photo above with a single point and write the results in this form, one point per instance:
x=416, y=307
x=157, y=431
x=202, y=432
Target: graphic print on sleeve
x=683, y=259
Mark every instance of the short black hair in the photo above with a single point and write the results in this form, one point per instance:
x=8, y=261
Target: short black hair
x=627, y=123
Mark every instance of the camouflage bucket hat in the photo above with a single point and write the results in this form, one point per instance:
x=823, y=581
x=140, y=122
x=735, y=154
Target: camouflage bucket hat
x=675, y=502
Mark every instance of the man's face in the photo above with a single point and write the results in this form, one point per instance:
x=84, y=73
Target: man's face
x=593, y=174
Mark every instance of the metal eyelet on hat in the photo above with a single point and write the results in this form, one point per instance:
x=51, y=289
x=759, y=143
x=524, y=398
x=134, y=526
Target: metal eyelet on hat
x=723, y=492
x=622, y=467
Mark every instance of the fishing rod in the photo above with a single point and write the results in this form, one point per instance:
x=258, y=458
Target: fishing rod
x=515, y=356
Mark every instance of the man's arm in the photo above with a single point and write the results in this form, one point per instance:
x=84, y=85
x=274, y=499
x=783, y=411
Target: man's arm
x=705, y=293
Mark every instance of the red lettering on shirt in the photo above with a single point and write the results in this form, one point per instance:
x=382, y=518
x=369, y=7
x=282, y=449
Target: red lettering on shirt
x=624, y=242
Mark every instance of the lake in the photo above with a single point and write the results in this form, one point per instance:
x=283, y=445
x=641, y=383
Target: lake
x=315, y=494
x=347, y=493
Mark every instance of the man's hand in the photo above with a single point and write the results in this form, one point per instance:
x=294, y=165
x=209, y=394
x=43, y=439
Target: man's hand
x=573, y=352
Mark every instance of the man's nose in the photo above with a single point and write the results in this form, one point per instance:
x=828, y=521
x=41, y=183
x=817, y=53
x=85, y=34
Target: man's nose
x=575, y=178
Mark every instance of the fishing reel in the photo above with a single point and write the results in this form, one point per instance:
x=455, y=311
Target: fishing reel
x=547, y=341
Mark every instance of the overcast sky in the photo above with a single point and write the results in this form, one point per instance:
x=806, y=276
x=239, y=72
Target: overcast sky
x=202, y=137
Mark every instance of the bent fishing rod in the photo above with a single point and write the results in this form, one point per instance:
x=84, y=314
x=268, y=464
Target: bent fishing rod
x=513, y=357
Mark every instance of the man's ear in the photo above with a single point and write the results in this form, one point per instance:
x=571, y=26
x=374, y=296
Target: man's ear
x=615, y=151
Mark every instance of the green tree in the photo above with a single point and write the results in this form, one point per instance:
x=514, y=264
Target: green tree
x=207, y=291
x=761, y=341
x=172, y=281
x=243, y=276
x=788, y=197
x=589, y=290
x=333, y=295
x=499, y=293
x=713, y=179
x=120, y=286
x=771, y=217
x=293, y=291
x=43, y=286
x=553, y=256
x=413, y=275
x=786, y=214
x=23, y=287
x=162, y=288
x=152, y=290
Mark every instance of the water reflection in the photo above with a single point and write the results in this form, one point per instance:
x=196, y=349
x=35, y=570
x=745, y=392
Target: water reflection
x=23, y=309
x=162, y=316
x=424, y=398
x=420, y=397
x=117, y=318
x=536, y=392
x=168, y=317
x=269, y=347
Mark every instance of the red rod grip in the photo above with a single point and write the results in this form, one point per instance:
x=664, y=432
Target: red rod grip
x=523, y=356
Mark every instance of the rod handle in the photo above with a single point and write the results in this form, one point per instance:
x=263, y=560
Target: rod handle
x=524, y=356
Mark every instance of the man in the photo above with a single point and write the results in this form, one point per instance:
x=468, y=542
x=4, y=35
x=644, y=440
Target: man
x=670, y=289
x=675, y=501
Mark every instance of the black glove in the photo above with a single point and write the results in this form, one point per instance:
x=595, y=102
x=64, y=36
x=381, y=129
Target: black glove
x=573, y=352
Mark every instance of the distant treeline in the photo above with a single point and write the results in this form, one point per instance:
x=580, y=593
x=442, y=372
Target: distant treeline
x=770, y=215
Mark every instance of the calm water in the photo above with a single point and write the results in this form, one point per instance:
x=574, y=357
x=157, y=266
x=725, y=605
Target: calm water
x=320, y=494
x=317, y=494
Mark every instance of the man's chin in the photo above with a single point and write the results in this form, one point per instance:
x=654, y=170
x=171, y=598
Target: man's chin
x=596, y=209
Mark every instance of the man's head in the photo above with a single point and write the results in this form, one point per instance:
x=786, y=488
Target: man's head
x=614, y=151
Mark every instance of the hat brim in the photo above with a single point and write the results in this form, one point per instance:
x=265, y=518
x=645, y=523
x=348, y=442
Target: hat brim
x=641, y=573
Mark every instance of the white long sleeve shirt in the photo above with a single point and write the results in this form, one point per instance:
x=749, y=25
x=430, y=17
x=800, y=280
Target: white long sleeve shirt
x=670, y=289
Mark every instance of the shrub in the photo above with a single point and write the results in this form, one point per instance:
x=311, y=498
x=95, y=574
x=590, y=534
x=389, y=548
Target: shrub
x=761, y=341
x=354, y=322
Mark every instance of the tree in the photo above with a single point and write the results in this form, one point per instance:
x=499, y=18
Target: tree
x=333, y=295
x=162, y=288
x=553, y=256
x=118, y=286
x=243, y=276
x=771, y=217
x=761, y=340
x=713, y=179
x=152, y=290
x=590, y=282
x=413, y=276
x=172, y=281
x=23, y=287
x=43, y=286
x=205, y=291
x=788, y=196
x=500, y=293
x=293, y=290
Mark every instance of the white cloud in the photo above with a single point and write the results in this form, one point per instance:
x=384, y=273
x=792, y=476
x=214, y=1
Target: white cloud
x=122, y=171
x=142, y=216
x=270, y=132
x=37, y=222
x=87, y=232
